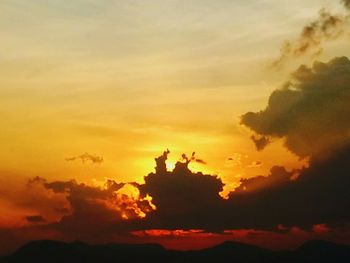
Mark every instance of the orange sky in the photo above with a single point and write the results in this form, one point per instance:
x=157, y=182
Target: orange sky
x=126, y=80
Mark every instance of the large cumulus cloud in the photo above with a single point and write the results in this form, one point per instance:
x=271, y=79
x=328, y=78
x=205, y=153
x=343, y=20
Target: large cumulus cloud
x=318, y=195
x=183, y=199
x=311, y=112
x=303, y=198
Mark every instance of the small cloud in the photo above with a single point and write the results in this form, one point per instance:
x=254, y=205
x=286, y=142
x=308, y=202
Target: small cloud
x=200, y=161
x=193, y=158
x=86, y=157
x=234, y=160
x=260, y=142
x=255, y=164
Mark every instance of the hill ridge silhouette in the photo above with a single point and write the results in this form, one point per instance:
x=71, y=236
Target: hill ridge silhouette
x=315, y=251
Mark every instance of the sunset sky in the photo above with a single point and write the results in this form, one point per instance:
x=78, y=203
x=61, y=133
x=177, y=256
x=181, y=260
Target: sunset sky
x=94, y=90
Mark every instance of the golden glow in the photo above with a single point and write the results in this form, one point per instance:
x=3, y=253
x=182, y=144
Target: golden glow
x=170, y=166
x=130, y=80
x=127, y=201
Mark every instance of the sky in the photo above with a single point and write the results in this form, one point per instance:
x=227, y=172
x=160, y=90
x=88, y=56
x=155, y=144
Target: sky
x=91, y=92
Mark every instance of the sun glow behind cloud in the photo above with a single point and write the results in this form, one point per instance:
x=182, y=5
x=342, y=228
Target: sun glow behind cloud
x=112, y=84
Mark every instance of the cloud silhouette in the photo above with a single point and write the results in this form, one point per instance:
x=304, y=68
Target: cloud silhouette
x=260, y=142
x=181, y=196
x=319, y=195
x=107, y=203
x=201, y=161
x=181, y=199
x=310, y=112
x=86, y=157
x=93, y=209
x=187, y=200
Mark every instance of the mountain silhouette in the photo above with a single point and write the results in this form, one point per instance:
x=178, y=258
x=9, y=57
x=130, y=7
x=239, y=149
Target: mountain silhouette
x=55, y=251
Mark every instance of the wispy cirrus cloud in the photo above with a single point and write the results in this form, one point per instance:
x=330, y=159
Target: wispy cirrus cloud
x=326, y=27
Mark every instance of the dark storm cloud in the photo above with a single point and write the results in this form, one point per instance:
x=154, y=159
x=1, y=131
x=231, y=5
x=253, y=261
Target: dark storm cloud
x=86, y=157
x=326, y=27
x=311, y=111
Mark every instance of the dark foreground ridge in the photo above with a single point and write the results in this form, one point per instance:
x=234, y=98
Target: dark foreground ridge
x=55, y=251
